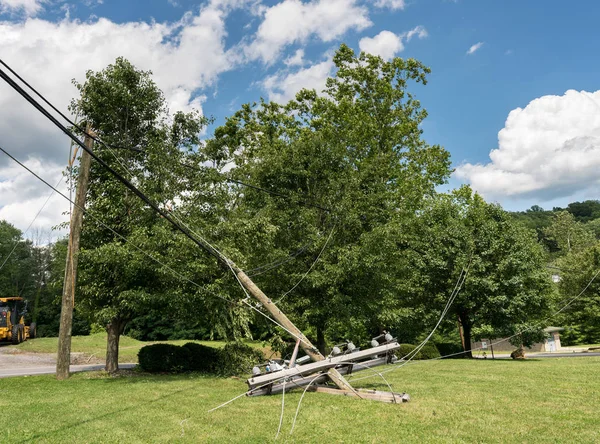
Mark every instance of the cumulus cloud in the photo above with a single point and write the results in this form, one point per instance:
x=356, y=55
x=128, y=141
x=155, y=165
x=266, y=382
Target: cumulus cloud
x=28, y=7
x=387, y=44
x=293, y=21
x=186, y=57
x=391, y=4
x=21, y=198
x=474, y=48
x=283, y=86
x=547, y=150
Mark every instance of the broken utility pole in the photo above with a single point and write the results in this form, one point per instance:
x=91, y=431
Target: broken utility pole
x=63, y=359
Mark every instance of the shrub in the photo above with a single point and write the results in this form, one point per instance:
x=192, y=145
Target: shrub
x=202, y=358
x=237, y=359
x=164, y=358
x=429, y=351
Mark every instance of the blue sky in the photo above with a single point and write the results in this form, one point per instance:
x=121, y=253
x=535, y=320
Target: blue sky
x=218, y=54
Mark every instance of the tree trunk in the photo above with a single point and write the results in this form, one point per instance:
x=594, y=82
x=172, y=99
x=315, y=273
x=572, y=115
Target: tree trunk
x=466, y=326
x=114, y=330
x=321, y=339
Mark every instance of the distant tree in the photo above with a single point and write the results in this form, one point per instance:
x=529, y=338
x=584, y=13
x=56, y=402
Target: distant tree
x=580, y=294
x=585, y=211
x=507, y=286
x=17, y=263
x=569, y=234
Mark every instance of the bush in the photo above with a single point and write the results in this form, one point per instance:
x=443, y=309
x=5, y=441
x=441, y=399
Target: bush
x=237, y=359
x=164, y=358
x=429, y=351
x=202, y=358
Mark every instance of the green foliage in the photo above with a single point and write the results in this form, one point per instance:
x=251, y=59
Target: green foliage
x=580, y=294
x=167, y=358
x=568, y=234
x=451, y=349
x=356, y=149
x=237, y=358
x=202, y=358
x=428, y=351
x=506, y=283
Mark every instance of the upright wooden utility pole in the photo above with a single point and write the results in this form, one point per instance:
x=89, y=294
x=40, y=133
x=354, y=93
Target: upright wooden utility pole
x=63, y=360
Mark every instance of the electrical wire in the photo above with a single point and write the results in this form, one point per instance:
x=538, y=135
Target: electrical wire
x=30, y=224
x=148, y=254
x=13, y=72
x=311, y=267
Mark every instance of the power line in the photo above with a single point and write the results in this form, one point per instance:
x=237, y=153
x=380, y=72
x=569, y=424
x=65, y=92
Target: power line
x=176, y=273
x=118, y=176
x=30, y=225
x=62, y=114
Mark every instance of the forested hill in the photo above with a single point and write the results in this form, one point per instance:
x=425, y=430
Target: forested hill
x=586, y=213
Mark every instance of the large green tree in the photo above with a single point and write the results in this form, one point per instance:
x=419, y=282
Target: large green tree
x=117, y=280
x=341, y=164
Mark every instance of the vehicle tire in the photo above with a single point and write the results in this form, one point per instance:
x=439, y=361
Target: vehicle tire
x=32, y=330
x=16, y=334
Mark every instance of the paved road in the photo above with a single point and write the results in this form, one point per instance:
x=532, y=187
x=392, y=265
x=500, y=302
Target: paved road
x=50, y=370
x=564, y=355
x=544, y=355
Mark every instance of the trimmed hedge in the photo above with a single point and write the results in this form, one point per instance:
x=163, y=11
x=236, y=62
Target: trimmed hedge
x=170, y=358
x=234, y=359
x=450, y=349
x=429, y=351
x=202, y=358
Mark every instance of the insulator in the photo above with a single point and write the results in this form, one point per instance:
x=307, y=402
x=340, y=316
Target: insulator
x=335, y=351
x=256, y=371
x=374, y=343
x=350, y=347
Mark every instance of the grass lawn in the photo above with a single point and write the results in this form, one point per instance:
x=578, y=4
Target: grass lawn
x=552, y=400
x=94, y=346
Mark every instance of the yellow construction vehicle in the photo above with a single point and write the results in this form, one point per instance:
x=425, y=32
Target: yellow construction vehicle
x=12, y=321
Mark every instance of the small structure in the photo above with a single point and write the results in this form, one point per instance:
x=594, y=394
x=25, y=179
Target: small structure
x=550, y=344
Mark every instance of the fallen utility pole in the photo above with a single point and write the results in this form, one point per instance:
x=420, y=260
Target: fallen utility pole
x=63, y=359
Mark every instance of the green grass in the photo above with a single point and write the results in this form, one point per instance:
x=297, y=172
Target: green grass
x=552, y=400
x=95, y=346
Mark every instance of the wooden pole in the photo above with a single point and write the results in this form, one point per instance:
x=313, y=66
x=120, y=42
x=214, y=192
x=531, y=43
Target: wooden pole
x=280, y=317
x=63, y=359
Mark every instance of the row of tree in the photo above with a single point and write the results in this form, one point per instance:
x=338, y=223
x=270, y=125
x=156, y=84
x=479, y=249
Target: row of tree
x=329, y=202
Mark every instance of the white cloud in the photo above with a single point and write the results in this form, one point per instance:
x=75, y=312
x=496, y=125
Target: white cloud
x=387, y=44
x=293, y=21
x=474, y=48
x=296, y=60
x=284, y=85
x=392, y=4
x=418, y=31
x=29, y=7
x=186, y=58
x=21, y=197
x=547, y=150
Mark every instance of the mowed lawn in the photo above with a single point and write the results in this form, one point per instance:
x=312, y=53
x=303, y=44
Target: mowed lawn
x=546, y=400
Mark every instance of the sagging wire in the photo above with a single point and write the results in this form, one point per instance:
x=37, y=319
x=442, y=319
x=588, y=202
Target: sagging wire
x=311, y=267
x=30, y=225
